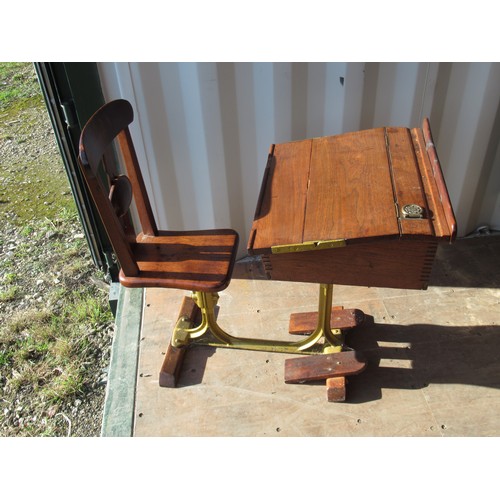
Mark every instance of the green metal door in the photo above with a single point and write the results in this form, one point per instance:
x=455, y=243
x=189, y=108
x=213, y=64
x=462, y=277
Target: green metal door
x=72, y=93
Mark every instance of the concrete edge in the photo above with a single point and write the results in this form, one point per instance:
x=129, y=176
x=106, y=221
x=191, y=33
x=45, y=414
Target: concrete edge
x=119, y=403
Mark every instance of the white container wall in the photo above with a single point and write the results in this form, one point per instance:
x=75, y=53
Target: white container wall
x=203, y=130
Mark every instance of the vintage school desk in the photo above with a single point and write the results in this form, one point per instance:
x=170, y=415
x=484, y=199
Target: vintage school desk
x=366, y=208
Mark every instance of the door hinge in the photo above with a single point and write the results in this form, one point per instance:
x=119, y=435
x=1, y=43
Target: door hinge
x=69, y=111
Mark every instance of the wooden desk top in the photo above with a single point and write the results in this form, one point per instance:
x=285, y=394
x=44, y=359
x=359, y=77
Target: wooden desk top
x=353, y=188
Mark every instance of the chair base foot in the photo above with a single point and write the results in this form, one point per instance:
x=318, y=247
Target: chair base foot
x=172, y=363
x=171, y=367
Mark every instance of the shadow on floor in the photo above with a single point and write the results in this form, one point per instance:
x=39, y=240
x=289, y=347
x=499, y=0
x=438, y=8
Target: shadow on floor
x=426, y=354
x=419, y=355
x=194, y=365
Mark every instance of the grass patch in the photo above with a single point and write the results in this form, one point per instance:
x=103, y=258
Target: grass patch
x=5, y=358
x=9, y=278
x=68, y=383
x=18, y=82
x=88, y=308
x=43, y=352
x=10, y=294
x=32, y=175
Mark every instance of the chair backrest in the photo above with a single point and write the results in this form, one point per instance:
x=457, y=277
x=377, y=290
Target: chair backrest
x=111, y=190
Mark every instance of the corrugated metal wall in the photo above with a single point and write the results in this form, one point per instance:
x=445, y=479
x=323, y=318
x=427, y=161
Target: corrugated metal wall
x=203, y=130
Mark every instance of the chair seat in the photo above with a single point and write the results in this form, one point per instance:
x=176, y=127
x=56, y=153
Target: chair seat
x=200, y=261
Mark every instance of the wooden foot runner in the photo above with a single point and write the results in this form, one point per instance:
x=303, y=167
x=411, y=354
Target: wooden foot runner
x=174, y=356
x=318, y=368
x=323, y=366
x=344, y=319
x=333, y=368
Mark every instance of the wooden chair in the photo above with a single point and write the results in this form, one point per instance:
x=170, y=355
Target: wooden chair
x=200, y=261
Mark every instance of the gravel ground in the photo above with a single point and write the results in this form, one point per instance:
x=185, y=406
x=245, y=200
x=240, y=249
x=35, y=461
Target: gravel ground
x=55, y=385
x=45, y=286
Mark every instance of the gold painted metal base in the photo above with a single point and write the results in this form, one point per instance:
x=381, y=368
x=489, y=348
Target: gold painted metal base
x=323, y=339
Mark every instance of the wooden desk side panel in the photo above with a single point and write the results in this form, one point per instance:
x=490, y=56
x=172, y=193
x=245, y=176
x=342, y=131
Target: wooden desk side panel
x=279, y=218
x=356, y=167
x=382, y=263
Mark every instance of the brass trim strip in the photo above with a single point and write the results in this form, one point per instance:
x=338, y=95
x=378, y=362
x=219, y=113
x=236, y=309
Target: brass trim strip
x=307, y=246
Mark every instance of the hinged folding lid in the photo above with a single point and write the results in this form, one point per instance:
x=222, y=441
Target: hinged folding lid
x=378, y=183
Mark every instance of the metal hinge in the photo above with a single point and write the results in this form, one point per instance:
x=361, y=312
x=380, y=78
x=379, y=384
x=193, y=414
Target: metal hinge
x=69, y=111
